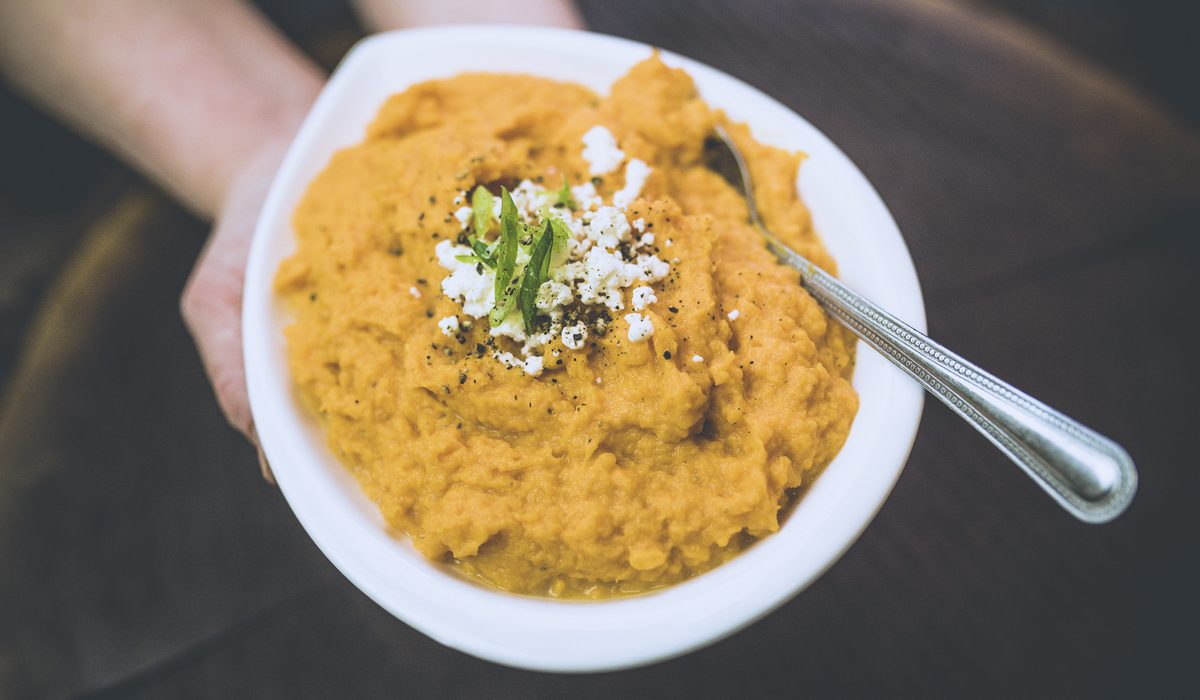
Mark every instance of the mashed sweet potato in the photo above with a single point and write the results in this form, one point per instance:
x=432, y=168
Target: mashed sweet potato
x=625, y=465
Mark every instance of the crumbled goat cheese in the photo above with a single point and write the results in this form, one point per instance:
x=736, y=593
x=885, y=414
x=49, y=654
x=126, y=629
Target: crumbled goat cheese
x=539, y=340
x=603, y=257
x=532, y=366
x=471, y=284
x=508, y=359
x=608, y=227
x=733, y=315
x=511, y=327
x=447, y=254
x=640, y=327
x=652, y=269
x=585, y=196
x=600, y=151
x=552, y=296
x=636, y=172
x=529, y=197
x=601, y=276
x=575, y=336
x=449, y=325
x=643, y=297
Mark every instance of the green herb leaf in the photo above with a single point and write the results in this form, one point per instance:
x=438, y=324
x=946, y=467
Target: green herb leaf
x=564, y=195
x=502, y=309
x=482, y=202
x=536, y=273
x=483, y=252
x=562, y=236
x=529, y=235
x=506, y=259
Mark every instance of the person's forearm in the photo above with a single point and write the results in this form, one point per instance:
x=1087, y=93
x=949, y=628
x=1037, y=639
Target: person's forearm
x=392, y=14
x=187, y=91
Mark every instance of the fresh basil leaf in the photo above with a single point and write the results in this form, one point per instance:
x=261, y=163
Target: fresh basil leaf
x=483, y=252
x=506, y=259
x=527, y=235
x=537, y=271
x=504, y=306
x=562, y=236
x=564, y=196
x=482, y=202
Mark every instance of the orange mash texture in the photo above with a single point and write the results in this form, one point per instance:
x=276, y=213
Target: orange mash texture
x=619, y=470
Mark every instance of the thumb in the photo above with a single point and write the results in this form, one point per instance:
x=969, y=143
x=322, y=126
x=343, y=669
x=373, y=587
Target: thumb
x=212, y=299
x=212, y=309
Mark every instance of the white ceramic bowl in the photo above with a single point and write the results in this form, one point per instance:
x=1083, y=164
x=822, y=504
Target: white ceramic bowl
x=540, y=633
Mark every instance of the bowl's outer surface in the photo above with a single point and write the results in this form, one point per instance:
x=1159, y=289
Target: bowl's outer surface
x=540, y=633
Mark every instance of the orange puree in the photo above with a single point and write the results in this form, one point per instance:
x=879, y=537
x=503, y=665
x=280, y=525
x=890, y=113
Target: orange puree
x=625, y=465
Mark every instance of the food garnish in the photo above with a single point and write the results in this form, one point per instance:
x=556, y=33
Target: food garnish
x=563, y=258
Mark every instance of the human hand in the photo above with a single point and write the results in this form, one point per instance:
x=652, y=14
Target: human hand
x=212, y=300
x=203, y=98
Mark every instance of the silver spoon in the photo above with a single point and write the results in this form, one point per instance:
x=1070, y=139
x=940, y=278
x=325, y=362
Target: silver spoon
x=1088, y=474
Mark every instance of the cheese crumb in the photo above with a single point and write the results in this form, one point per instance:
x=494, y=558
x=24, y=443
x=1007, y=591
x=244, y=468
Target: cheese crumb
x=602, y=258
x=600, y=277
x=469, y=284
x=636, y=172
x=507, y=359
x=608, y=227
x=416, y=293
x=511, y=327
x=585, y=196
x=534, y=366
x=653, y=269
x=552, y=296
x=573, y=337
x=640, y=327
x=733, y=315
x=643, y=297
x=600, y=151
x=449, y=325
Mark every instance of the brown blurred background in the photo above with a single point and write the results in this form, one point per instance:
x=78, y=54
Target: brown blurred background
x=1042, y=160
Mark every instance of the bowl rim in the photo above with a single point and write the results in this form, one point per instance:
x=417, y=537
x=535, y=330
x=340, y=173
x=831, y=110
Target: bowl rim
x=545, y=634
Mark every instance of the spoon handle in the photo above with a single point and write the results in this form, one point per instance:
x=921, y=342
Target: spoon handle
x=1088, y=474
